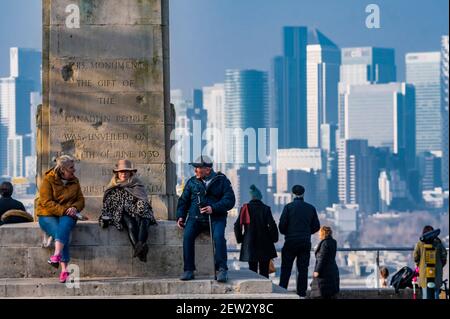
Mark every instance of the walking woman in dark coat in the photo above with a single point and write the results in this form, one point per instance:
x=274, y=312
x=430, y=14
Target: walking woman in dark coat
x=325, y=284
x=255, y=228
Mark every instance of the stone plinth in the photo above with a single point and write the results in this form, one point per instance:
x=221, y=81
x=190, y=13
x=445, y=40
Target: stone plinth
x=106, y=95
x=100, y=252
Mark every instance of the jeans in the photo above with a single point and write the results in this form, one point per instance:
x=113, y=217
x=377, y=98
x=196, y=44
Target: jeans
x=425, y=295
x=263, y=267
x=59, y=228
x=192, y=229
x=137, y=228
x=290, y=252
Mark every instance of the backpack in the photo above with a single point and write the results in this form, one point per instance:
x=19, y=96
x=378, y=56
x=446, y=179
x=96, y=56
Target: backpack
x=402, y=279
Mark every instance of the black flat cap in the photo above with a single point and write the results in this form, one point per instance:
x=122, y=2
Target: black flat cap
x=202, y=161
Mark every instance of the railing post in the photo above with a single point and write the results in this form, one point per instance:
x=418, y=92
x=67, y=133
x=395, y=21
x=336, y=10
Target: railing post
x=377, y=285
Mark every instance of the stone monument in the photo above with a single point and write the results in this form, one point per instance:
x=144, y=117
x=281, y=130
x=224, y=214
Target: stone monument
x=106, y=95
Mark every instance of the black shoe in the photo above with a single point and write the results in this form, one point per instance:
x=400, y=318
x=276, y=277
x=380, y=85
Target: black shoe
x=187, y=275
x=143, y=255
x=222, y=276
x=138, y=249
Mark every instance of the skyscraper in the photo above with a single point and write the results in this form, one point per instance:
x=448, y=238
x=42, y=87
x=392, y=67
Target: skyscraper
x=363, y=65
x=322, y=68
x=246, y=110
x=367, y=65
x=444, y=109
x=358, y=175
x=214, y=104
x=15, y=106
x=288, y=89
x=382, y=114
x=423, y=71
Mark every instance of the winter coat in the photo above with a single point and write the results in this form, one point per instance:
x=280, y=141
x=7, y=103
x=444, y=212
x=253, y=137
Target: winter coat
x=218, y=194
x=299, y=221
x=441, y=260
x=7, y=203
x=259, y=236
x=55, y=197
x=327, y=284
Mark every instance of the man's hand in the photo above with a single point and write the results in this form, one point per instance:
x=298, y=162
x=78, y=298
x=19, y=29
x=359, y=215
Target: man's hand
x=180, y=223
x=206, y=210
x=315, y=274
x=72, y=212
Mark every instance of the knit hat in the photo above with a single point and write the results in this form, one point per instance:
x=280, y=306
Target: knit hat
x=255, y=193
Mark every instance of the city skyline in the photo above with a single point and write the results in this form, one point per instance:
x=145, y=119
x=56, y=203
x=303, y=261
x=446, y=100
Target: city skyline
x=255, y=48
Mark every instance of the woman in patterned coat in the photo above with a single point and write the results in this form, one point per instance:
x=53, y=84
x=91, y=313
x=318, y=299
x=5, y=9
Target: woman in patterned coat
x=125, y=204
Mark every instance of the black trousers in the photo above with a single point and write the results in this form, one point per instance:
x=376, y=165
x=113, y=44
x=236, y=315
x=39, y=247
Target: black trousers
x=290, y=252
x=263, y=267
x=137, y=228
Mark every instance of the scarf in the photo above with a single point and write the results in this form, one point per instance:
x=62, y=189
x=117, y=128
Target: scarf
x=133, y=185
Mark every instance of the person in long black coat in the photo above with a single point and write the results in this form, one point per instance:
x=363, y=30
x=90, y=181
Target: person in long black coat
x=325, y=283
x=257, y=231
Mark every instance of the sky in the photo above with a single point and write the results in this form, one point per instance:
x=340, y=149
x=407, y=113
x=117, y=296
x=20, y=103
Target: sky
x=209, y=36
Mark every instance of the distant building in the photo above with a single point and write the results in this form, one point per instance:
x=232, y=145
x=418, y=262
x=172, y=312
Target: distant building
x=382, y=114
x=345, y=218
x=288, y=89
x=242, y=178
x=214, y=104
x=444, y=110
x=305, y=159
x=423, y=70
x=246, y=110
x=358, y=175
x=430, y=171
x=15, y=109
x=315, y=183
x=322, y=67
x=362, y=66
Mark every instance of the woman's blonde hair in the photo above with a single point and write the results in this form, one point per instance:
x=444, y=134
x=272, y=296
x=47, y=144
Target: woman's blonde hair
x=325, y=232
x=62, y=162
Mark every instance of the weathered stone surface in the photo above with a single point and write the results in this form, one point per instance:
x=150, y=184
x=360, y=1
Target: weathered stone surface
x=105, y=11
x=95, y=108
x=199, y=286
x=103, y=75
x=108, y=261
x=106, y=95
x=107, y=143
x=12, y=262
x=18, y=238
x=139, y=287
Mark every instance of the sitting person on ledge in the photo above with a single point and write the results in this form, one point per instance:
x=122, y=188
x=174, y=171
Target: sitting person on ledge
x=125, y=203
x=59, y=205
x=11, y=211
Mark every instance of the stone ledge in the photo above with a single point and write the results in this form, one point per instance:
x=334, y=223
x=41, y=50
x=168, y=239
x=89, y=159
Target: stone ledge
x=50, y=287
x=100, y=252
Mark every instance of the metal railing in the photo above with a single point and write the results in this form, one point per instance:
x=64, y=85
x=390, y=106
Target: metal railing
x=376, y=250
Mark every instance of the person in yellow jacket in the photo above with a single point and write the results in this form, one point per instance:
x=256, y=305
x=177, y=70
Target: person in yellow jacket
x=440, y=261
x=58, y=209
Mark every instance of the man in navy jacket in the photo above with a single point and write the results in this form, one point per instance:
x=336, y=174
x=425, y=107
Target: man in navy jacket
x=298, y=222
x=206, y=194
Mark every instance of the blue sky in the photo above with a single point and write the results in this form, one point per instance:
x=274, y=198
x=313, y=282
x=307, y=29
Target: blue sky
x=209, y=36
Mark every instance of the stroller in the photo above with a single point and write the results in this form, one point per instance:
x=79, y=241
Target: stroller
x=403, y=279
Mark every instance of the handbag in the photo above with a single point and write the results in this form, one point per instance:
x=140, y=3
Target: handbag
x=272, y=268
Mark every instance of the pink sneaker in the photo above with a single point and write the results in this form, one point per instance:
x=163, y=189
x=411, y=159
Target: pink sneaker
x=54, y=261
x=63, y=277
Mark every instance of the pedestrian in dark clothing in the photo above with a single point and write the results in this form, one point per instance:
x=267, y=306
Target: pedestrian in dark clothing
x=256, y=229
x=206, y=195
x=325, y=284
x=298, y=222
x=7, y=203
